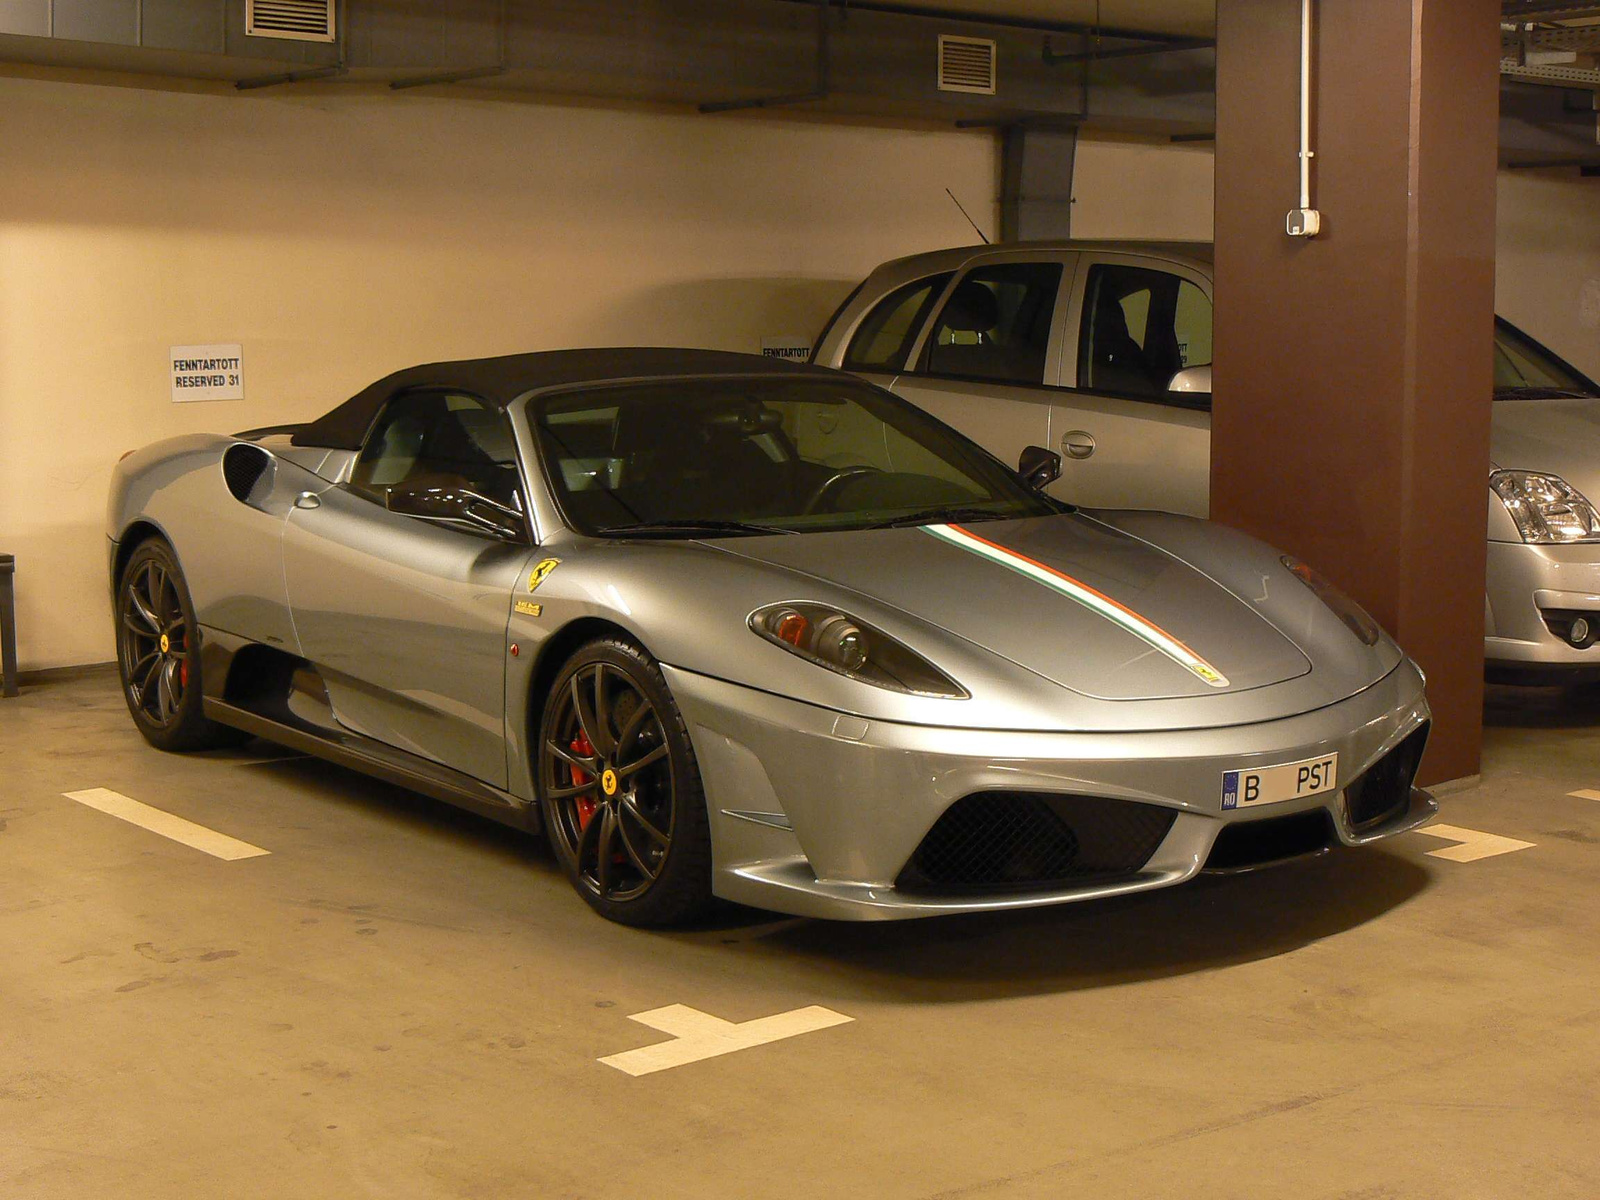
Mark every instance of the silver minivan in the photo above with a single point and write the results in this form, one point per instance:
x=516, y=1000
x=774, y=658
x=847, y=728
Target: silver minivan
x=1102, y=350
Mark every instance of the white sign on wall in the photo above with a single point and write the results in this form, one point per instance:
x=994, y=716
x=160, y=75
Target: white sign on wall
x=207, y=373
x=794, y=349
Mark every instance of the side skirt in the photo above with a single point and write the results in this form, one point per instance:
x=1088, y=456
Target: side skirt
x=383, y=762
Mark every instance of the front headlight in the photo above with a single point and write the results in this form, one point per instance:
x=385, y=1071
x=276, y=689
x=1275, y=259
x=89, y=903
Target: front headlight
x=1355, y=617
x=838, y=641
x=1548, y=510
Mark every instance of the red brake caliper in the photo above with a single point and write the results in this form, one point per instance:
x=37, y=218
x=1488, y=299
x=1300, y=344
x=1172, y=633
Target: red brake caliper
x=586, y=805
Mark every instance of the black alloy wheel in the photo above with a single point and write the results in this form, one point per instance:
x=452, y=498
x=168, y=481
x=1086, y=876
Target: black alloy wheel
x=158, y=646
x=620, y=791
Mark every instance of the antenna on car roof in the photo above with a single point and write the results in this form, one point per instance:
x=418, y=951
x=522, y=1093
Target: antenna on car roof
x=964, y=213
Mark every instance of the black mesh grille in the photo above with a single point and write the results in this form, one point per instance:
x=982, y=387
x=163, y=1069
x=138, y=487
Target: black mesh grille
x=1385, y=787
x=1253, y=843
x=242, y=467
x=1017, y=841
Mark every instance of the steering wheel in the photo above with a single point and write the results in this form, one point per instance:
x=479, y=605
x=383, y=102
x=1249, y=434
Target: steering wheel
x=832, y=484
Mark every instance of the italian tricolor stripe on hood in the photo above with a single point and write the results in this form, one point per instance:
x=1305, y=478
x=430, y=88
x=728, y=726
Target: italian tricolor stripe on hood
x=1097, y=601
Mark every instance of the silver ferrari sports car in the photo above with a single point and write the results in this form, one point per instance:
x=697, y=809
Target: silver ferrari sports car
x=728, y=627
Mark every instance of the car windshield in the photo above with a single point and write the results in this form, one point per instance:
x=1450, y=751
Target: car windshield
x=1525, y=370
x=742, y=456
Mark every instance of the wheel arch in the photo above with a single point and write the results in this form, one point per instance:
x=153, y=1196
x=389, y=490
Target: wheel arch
x=135, y=535
x=554, y=653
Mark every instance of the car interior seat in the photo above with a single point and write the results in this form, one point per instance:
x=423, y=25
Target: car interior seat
x=393, y=457
x=702, y=462
x=1116, y=362
x=971, y=309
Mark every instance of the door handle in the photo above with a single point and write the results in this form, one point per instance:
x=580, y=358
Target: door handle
x=308, y=500
x=1077, y=444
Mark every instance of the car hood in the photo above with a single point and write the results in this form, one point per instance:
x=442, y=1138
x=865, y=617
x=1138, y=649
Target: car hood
x=1559, y=436
x=1083, y=604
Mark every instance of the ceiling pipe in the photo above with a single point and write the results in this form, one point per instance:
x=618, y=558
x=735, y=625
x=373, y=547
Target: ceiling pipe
x=465, y=74
x=820, y=92
x=1054, y=57
x=1043, y=26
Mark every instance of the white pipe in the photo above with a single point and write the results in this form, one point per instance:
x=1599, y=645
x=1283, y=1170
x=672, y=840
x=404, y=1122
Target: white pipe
x=1306, y=152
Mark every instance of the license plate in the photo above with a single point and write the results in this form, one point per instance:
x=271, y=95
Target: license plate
x=1286, y=781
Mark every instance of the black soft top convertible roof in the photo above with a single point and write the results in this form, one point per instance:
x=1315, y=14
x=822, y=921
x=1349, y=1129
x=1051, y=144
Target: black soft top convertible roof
x=501, y=380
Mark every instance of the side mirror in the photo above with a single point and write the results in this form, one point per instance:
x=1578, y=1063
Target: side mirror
x=1192, y=379
x=435, y=503
x=1039, y=467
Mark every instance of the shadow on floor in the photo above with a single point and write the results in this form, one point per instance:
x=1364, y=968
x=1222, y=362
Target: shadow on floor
x=339, y=786
x=1512, y=707
x=1212, y=922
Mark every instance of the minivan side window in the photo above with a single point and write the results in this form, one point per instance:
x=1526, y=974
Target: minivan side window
x=996, y=324
x=439, y=439
x=1140, y=328
x=884, y=337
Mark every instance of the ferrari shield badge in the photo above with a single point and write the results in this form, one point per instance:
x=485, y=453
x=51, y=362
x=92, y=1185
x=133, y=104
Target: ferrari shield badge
x=541, y=571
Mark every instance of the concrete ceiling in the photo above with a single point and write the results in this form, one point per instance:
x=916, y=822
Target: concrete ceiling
x=1192, y=18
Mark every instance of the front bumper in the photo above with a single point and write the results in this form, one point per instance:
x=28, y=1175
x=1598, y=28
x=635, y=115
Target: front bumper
x=817, y=813
x=1526, y=585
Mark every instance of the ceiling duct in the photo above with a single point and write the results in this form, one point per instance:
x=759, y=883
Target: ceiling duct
x=966, y=64
x=297, y=20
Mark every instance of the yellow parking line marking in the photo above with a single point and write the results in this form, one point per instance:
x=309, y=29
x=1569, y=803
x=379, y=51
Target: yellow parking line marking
x=697, y=1035
x=218, y=845
x=1585, y=794
x=1471, y=844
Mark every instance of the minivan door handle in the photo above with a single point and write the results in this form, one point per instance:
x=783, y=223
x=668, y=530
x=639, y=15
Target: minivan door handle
x=1078, y=443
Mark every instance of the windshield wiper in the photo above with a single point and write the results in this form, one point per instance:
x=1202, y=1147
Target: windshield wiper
x=690, y=527
x=946, y=513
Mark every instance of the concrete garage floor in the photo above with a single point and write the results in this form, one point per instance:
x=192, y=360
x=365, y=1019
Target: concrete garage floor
x=401, y=1000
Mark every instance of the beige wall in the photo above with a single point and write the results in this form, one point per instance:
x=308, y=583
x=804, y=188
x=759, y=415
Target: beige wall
x=1142, y=190
x=338, y=235
x=1547, y=269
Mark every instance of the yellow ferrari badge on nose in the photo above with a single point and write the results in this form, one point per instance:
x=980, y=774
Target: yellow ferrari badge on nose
x=541, y=571
x=608, y=781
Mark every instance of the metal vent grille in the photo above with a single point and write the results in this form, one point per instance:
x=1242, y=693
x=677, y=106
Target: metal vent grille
x=966, y=64
x=300, y=20
x=242, y=468
x=1021, y=841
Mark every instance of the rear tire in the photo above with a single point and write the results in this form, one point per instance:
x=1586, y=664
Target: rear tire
x=620, y=791
x=158, y=654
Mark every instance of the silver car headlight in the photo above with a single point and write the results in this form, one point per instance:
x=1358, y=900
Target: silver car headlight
x=839, y=642
x=1356, y=618
x=1547, y=509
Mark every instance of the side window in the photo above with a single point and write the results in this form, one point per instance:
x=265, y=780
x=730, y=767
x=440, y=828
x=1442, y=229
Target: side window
x=1140, y=328
x=439, y=439
x=884, y=337
x=996, y=324
x=1191, y=322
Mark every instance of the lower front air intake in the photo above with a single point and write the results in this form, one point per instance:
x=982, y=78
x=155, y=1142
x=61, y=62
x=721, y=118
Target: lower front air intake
x=1032, y=841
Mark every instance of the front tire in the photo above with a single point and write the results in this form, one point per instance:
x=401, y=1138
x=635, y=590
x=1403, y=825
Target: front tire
x=620, y=790
x=158, y=654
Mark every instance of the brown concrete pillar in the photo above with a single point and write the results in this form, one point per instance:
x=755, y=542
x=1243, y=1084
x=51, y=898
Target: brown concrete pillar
x=1354, y=369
